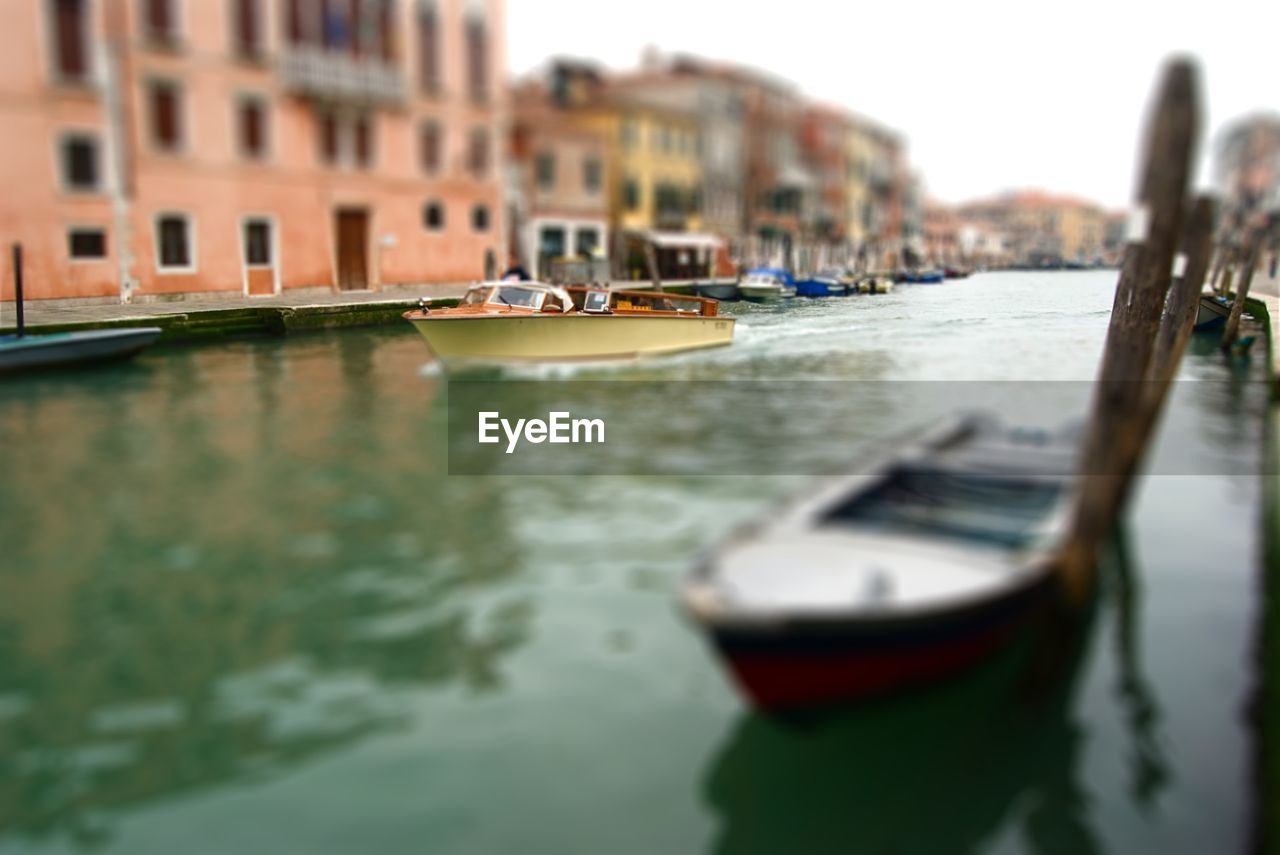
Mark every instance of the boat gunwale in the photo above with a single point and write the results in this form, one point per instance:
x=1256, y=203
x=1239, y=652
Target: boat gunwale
x=1027, y=568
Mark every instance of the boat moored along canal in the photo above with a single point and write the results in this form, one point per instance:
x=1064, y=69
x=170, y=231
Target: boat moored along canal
x=897, y=575
x=535, y=322
x=767, y=284
x=1212, y=313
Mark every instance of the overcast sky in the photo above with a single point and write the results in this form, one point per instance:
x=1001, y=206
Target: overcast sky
x=991, y=94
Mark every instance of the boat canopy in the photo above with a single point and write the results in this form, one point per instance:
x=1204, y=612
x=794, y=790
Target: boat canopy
x=528, y=294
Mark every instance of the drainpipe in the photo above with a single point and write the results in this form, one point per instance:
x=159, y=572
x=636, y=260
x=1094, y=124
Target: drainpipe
x=117, y=103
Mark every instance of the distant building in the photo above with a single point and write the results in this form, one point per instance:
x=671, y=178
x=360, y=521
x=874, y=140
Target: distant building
x=251, y=147
x=558, y=196
x=1247, y=164
x=653, y=149
x=1246, y=170
x=875, y=191
x=1044, y=230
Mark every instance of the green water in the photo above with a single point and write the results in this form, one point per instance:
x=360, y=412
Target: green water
x=244, y=609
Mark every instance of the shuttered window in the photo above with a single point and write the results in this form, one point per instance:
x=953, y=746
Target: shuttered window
x=252, y=114
x=477, y=59
x=431, y=145
x=71, y=32
x=428, y=48
x=166, y=123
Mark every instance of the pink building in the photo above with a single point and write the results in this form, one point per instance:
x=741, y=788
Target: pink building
x=159, y=147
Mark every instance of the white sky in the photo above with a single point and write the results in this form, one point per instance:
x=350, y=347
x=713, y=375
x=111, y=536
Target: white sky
x=991, y=94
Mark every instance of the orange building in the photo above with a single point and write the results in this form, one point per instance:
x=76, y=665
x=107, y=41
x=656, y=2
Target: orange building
x=164, y=147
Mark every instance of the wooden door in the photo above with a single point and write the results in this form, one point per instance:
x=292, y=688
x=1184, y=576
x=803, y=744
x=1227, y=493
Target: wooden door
x=352, y=229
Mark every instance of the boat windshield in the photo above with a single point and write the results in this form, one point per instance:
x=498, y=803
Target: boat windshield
x=475, y=296
x=514, y=295
x=760, y=279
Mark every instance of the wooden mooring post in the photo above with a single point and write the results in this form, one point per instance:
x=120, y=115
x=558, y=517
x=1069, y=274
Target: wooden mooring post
x=1253, y=246
x=1123, y=414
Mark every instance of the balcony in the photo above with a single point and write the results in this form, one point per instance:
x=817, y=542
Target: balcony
x=332, y=75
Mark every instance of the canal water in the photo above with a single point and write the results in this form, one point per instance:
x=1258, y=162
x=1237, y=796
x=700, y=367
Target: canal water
x=244, y=608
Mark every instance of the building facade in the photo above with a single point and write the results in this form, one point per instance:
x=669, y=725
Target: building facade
x=558, y=196
x=1044, y=230
x=169, y=147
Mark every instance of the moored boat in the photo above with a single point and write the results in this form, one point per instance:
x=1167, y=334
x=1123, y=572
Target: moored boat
x=896, y=575
x=925, y=277
x=823, y=284
x=533, y=321
x=50, y=350
x=1213, y=312
x=722, y=289
x=875, y=284
x=767, y=284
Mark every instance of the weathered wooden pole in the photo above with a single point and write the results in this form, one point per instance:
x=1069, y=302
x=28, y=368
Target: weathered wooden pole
x=1184, y=297
x=1115, y=437
x=1176, y=325
x=1252, y=251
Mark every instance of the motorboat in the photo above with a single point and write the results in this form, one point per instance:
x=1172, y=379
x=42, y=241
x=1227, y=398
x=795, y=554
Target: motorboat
x=767, y=284
x=824, y=284
x=526, y=321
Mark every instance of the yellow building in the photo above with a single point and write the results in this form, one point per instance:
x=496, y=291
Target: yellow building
x=655, y=163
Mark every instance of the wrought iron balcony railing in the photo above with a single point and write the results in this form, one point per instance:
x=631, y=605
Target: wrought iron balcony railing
x=334, y=75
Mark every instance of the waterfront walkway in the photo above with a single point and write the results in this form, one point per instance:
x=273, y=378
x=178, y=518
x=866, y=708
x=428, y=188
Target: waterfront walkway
x=203, y=316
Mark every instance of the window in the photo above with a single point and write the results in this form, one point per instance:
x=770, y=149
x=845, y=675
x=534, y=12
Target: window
x=431, y=147
x=428, y=47
x=546, y=169
x=246, y=32
x=160, y=19
x=591, y=175
x=478, y=152
x=328, y=137
x=477, y=59
x=174, y=244
x=87, y=244
x=251, y=119
x=586, y=241
x=480, y=218
x=362, y=129
x=433, y=216
x=631, y=195
x=628, y=133
x=257, y=243
x=80, y=163
x=71, y=39
x=166, y=127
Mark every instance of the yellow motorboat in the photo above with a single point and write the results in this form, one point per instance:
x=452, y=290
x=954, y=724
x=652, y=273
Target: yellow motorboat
x=535, y=322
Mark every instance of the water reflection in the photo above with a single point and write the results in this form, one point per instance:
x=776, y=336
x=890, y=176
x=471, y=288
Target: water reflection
x=998, y=753
x=215, y=593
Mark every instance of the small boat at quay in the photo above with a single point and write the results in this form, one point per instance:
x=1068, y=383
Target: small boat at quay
x=1213, y=312
x=899, y=574
x=23, y=351
x=53, y=350
x=535, y=322
x=725, y=289
x=824, y=284
x=766, y=284
x=924, y=277
x=875, y=284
